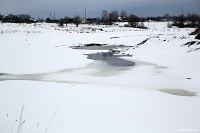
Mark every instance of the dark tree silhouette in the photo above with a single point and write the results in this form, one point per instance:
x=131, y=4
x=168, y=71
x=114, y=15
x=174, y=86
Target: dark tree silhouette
x=193, y=19
x=179, y=21
x=105, y=16
x=77, y=20
x=123, y=14
x=1, y=17
x=48, y=20
x=63, y=21
x=166, y=17
x=113, y=15
x=23, y=18
x=133, y=20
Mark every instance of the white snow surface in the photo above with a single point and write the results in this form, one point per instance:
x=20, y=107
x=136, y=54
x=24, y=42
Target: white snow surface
x=79, y=95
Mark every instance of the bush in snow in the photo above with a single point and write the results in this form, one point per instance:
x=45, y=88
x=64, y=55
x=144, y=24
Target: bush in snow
x=141, y=26
x=133, y=20
x=169, y=25
x=196, y=31
x=63, y=21
x=198, y=36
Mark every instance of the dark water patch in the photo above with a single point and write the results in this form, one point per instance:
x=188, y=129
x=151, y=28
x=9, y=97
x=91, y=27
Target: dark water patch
x=94, y=46
x=178, y=92
x=110, y=58
x=114, y=37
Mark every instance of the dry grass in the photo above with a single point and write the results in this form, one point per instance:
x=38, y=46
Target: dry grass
x=196, y=31
x=21, y=121
x=198, y=36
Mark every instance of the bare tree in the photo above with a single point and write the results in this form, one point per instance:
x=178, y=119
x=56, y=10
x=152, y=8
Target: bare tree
x=113, y=15
x=1, y=17
x=133, y=20
x=66, y=20
x=167, y=17
x=180, y=20
x=77, y=20
x=193, y=19
x=105, y=16
x=123, y=14
x=63, y=21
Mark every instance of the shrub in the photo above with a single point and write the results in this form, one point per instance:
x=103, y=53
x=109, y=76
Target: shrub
x=141, y=26
x=169, y=25
x=198, y=36
x=196, y=31
x=133, y=20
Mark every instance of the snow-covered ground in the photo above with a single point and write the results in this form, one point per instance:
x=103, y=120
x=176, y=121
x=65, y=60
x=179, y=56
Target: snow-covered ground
x=64, y=92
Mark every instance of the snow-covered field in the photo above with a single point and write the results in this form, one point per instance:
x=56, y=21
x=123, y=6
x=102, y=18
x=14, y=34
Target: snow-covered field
x=64, y=92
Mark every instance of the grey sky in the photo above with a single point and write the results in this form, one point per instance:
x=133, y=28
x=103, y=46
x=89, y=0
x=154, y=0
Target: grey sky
x=41, y=8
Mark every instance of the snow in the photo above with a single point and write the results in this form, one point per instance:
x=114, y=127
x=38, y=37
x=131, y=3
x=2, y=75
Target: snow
x=92, y=96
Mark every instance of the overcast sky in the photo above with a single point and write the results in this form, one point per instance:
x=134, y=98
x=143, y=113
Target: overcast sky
x=42, y=8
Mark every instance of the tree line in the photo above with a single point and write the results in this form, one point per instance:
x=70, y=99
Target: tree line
x=23, y=18
x=108, y=18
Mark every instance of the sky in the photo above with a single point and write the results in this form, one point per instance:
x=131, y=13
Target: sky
x=42, y=8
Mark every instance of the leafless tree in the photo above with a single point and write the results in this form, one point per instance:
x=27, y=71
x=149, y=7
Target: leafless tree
x=133, y=20
x=180, y=20
x=123, y=14
x=193, y=19
x=1, y=17
x=105, y=16
x=77, y=20
x=113, y=15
